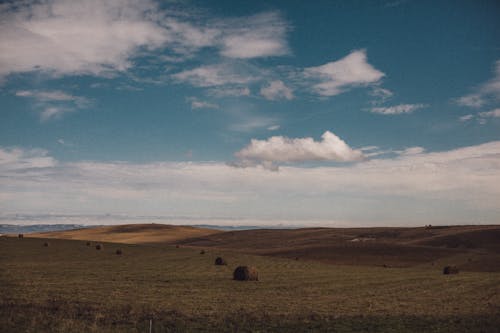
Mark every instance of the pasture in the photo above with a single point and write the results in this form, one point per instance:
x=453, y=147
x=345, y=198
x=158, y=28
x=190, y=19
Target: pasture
x=70, y=286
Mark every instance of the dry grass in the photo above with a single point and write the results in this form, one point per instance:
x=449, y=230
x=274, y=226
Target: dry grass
x=71, y=287
x=130, y=233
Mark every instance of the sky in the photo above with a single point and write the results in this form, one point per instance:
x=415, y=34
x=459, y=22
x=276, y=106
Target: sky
x=324, y=113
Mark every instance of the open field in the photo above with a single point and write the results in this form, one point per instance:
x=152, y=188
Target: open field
x=472, y=248
x=130, y=233
x=69, y=286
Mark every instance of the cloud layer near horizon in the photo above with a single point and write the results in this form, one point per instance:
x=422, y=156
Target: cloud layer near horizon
x=456, y=186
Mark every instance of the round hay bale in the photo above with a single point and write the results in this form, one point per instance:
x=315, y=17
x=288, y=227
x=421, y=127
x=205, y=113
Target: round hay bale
x=20, y=236
x=220, y=261
x=177, y=246
x=89, y=243
x=245, y=273
x=450, y=270
x=119, y=251
x=202, y=252
x=99, y=247
x=46, y=244
x=297, y=258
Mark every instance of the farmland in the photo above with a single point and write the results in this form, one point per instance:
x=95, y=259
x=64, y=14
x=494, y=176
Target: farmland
x=69, y=286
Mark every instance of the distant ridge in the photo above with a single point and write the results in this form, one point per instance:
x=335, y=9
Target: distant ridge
x=131, y=233
x=26, y=229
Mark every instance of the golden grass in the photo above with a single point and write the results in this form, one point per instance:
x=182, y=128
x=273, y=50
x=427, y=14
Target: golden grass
x=130, y=233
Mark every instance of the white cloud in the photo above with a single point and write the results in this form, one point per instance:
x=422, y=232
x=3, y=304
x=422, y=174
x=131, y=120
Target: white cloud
x=481, y=117
x=54, y=103
x=276, y=90
x=261, y=35
x=215, y=75
x=45, y=96
x=283, y=149
x=273, y=128
x=490, y=114
x=397, y=109
x=485, y=93
x=88, y=37
x=229, y=91
x=246, y=123
x=197, y=104
x=472, y=100
x=457, y=186
x=24, y=160
x=466, y=117
x=342, y=75
x=54, y=112
x=412, y=151
x=103, y=38
x=381, y=95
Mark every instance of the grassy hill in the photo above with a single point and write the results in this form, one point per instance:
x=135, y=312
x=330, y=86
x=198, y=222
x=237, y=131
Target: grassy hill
x=69, y=286
x=473, y=248
x=130, y=233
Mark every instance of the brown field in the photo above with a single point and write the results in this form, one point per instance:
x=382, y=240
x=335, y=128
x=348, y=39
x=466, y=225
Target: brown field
x=130, y=233
x=473, y=248
x=310, y=280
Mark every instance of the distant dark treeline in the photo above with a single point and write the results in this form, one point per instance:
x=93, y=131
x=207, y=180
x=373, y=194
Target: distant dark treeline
x=26, y=229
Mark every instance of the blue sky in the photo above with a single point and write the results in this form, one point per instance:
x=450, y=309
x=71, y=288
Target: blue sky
x=330, y=113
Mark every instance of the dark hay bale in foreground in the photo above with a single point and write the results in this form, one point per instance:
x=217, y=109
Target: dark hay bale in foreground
x=220, y=261
x=202, y=252
x=297, y=258
x=177, y=246
x=46, y=244
x=245, y=273
x=99, y=247
x=119, y=251
x=89, y=243
x=450, y=270
x=20, y=236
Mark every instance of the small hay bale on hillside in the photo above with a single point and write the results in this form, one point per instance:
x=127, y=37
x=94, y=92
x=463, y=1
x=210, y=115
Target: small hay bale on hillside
x=46, y=244
x=219, y=261
x=202, y=252
x=20, y=236
x=177, y=246
x=119, y=251
x=245, y=273
x=89, y=243
x=450, y=270
x=99, y=247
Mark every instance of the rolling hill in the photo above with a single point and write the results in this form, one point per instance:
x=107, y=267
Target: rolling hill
x=474, y=248
x=130, y=233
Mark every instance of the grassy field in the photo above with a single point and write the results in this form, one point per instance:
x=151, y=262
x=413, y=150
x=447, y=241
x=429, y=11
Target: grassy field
x=70, y=287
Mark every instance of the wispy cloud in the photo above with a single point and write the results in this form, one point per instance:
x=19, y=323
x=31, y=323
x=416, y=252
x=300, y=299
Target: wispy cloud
x=481, y=117
x=490, y=114
x=486, y=93
x=381, y=95
x=466, y=117
x=198, y=104
x=276, y=90
x=342, y=75
x=229, y=91
x=217, y=75
x=54, y=103
x=397, y=109
x=261, y=35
